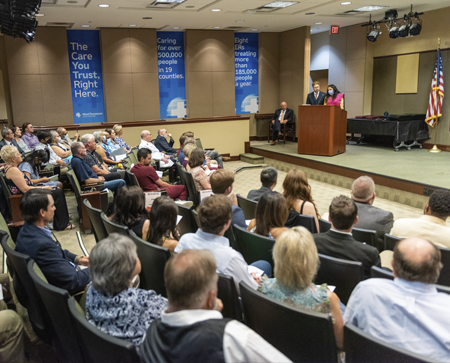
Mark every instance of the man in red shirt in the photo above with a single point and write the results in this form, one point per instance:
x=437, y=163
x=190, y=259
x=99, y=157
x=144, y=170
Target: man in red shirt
x=149, y=180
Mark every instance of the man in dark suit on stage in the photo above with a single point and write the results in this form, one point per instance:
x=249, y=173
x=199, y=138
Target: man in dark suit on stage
x=317, y=97
x=281, y=117
x=338, y=242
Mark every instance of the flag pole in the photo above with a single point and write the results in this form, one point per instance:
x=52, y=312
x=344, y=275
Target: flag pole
x=435, y=149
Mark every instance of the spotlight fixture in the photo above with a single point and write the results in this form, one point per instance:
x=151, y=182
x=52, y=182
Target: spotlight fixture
x=403, y=31
x=415, y=27
x=373, y=34
x=393, y=31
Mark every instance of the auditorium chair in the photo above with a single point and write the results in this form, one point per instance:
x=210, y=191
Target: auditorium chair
x=13, y=201
x=368, y=236
x=96, y=221
x=390, y=241
x=187, y=223
x=286, y=128
x=300, y=335
x=228, y=294
x=192, y=190
x=112, y=227
x=444, y=277
x=153, y=260
x=54, y=299
x=230, y=235
x=343, y=274
x=131, y=179
x=253, y=246
x=248, y=206
x=362, y=347
x=196, y=219
x=295, y=219
x=182, y=177
x=96, y=346
x=324, y=225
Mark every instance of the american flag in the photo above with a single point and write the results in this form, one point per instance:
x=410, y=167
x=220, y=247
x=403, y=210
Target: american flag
x=437, y=93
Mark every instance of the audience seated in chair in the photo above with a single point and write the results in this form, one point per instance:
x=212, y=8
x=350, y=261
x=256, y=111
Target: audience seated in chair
x=129, y=210
x=162, y=144
x=101, y=141
x=63, y=152
x=19, y=183
x=198, y=170
x=112, y=304
x=31, y=165
x=297, y=192
x=338, y=241
x=269, y=177
x=187, y=151
x=119, y=140
x=432, y=225
x=84, y=172
x=184, y=140
x=192, y=328
x=296, y=264
x=215, y=218
x=407, y=312
x=222, y=183
x=163, y=229
x=150, y=181
x=8, y=139
x=44, y=143
x=210, y=154
x=281, y=117
x=28, y=136
x=18, y=138
x=95, y=161
x=271, y=215
x=35, y=240
x=65, y=139
x=112, y=135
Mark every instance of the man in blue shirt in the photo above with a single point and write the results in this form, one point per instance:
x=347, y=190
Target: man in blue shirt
x=84, y=172
x=407, y=312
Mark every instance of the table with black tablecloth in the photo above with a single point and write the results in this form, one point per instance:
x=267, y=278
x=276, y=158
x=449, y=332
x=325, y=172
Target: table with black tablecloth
x=402, y=131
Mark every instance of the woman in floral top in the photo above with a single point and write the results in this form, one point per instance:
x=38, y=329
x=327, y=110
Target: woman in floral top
x=112, y=305
x=119, y=139
x=296, y=263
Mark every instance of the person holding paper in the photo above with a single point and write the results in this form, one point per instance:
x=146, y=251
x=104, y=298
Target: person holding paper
x=296, y=264
x=150, y=181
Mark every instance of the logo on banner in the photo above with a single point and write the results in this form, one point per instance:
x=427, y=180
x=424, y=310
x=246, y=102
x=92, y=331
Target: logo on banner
x=86, y=75
x=171, y=75
x=246, y=72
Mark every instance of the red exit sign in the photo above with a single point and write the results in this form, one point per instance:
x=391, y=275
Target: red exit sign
x=335, y=29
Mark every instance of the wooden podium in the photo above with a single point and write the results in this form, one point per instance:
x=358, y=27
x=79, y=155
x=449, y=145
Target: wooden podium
x=321, y=130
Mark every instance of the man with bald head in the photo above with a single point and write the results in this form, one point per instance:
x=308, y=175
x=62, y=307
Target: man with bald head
x=192, y=329
x=282, y=116
x=369, y=216
x=407, y=312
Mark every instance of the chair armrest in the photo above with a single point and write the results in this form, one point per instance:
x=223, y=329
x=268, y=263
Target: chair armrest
x=208, y=149
x=95, y=200
x=46, y=173
x=15, y=208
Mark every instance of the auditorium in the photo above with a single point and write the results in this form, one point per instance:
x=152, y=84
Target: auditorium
x=224, y=180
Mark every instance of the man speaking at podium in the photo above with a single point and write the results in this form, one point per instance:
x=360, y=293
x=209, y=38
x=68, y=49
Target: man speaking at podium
x=282, y=116
x=316, y=97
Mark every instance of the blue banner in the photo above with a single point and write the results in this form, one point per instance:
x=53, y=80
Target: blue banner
x=172, y=82
x=86, y=76
x=246, y=72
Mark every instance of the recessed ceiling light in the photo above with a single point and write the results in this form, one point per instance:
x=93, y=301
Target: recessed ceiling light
x=370, y=8
x=132, y=25
x=103, y=6
x=240, y=21
x=253, y=30
x=170, y=1
x=309, y=13
x=216, y=10
x=318, y=23
x=346, y=3
x=40, y=14
x=176, y=27
x=280, y=4
x=216, y=27
x=85, y=26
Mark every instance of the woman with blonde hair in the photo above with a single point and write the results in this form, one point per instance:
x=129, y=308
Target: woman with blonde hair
x=296, y=264
x=297, y=192
x=119, y=139
x=187, y=150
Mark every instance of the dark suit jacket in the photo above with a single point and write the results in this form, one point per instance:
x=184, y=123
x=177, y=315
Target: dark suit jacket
x=163, y=146
x=237, y=217
x=14, y=143
x=344, y=246
x=256, y=193
x=288, y=115
x=56, y=264
x=311, y=100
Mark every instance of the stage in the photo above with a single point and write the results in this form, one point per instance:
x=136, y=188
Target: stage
x=417, y=171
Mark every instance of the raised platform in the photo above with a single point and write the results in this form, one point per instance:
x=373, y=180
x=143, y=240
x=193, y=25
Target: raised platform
x=416, y=171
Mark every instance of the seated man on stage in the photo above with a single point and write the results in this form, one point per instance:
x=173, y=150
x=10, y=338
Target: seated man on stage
x=282, y=116
x=317, y=97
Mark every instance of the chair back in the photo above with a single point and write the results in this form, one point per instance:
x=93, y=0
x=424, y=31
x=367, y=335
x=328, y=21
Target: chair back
x=390, y=241
x=55, y=303
x=196, y=219
x=378, y=272
x=96, y=346
x=362, y=347
x=187, y=223
x=95, y=215
x=112, y=227
x=179, y=172
x=444, y=277
x=296, y=219
x=302, y=336
x=228, y=294
x=192, y=190
x=324, y=225
x=6, y=190
x=26, y=291
x=131, y=179
x=248, y=206
x=366, y=235
x=74, y=182
x=230, y=235
x=253, y=246
x=198, y=143
x=153, y=258
x=343, y=274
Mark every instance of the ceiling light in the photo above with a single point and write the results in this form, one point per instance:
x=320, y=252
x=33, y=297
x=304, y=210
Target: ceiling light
x=346, y=3
x=370, y=8
x=373, y=34
x=176, y=27
x=240, y=21
x=216, y=27
x=40, y=14
x=415, y=28
x=403, y=31
x=132, y=25
x=103, y=6
x=169, y=1
x=216, y=10
x=254, y=30
x=318, y=23
x=85, y=26
x=393, y=32
x=280, y=4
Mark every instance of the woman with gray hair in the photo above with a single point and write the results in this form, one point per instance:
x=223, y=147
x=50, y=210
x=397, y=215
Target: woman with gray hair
x=112, y=305
x=61, y=151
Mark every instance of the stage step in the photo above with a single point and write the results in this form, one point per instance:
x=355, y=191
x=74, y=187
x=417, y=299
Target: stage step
x=252, y=158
